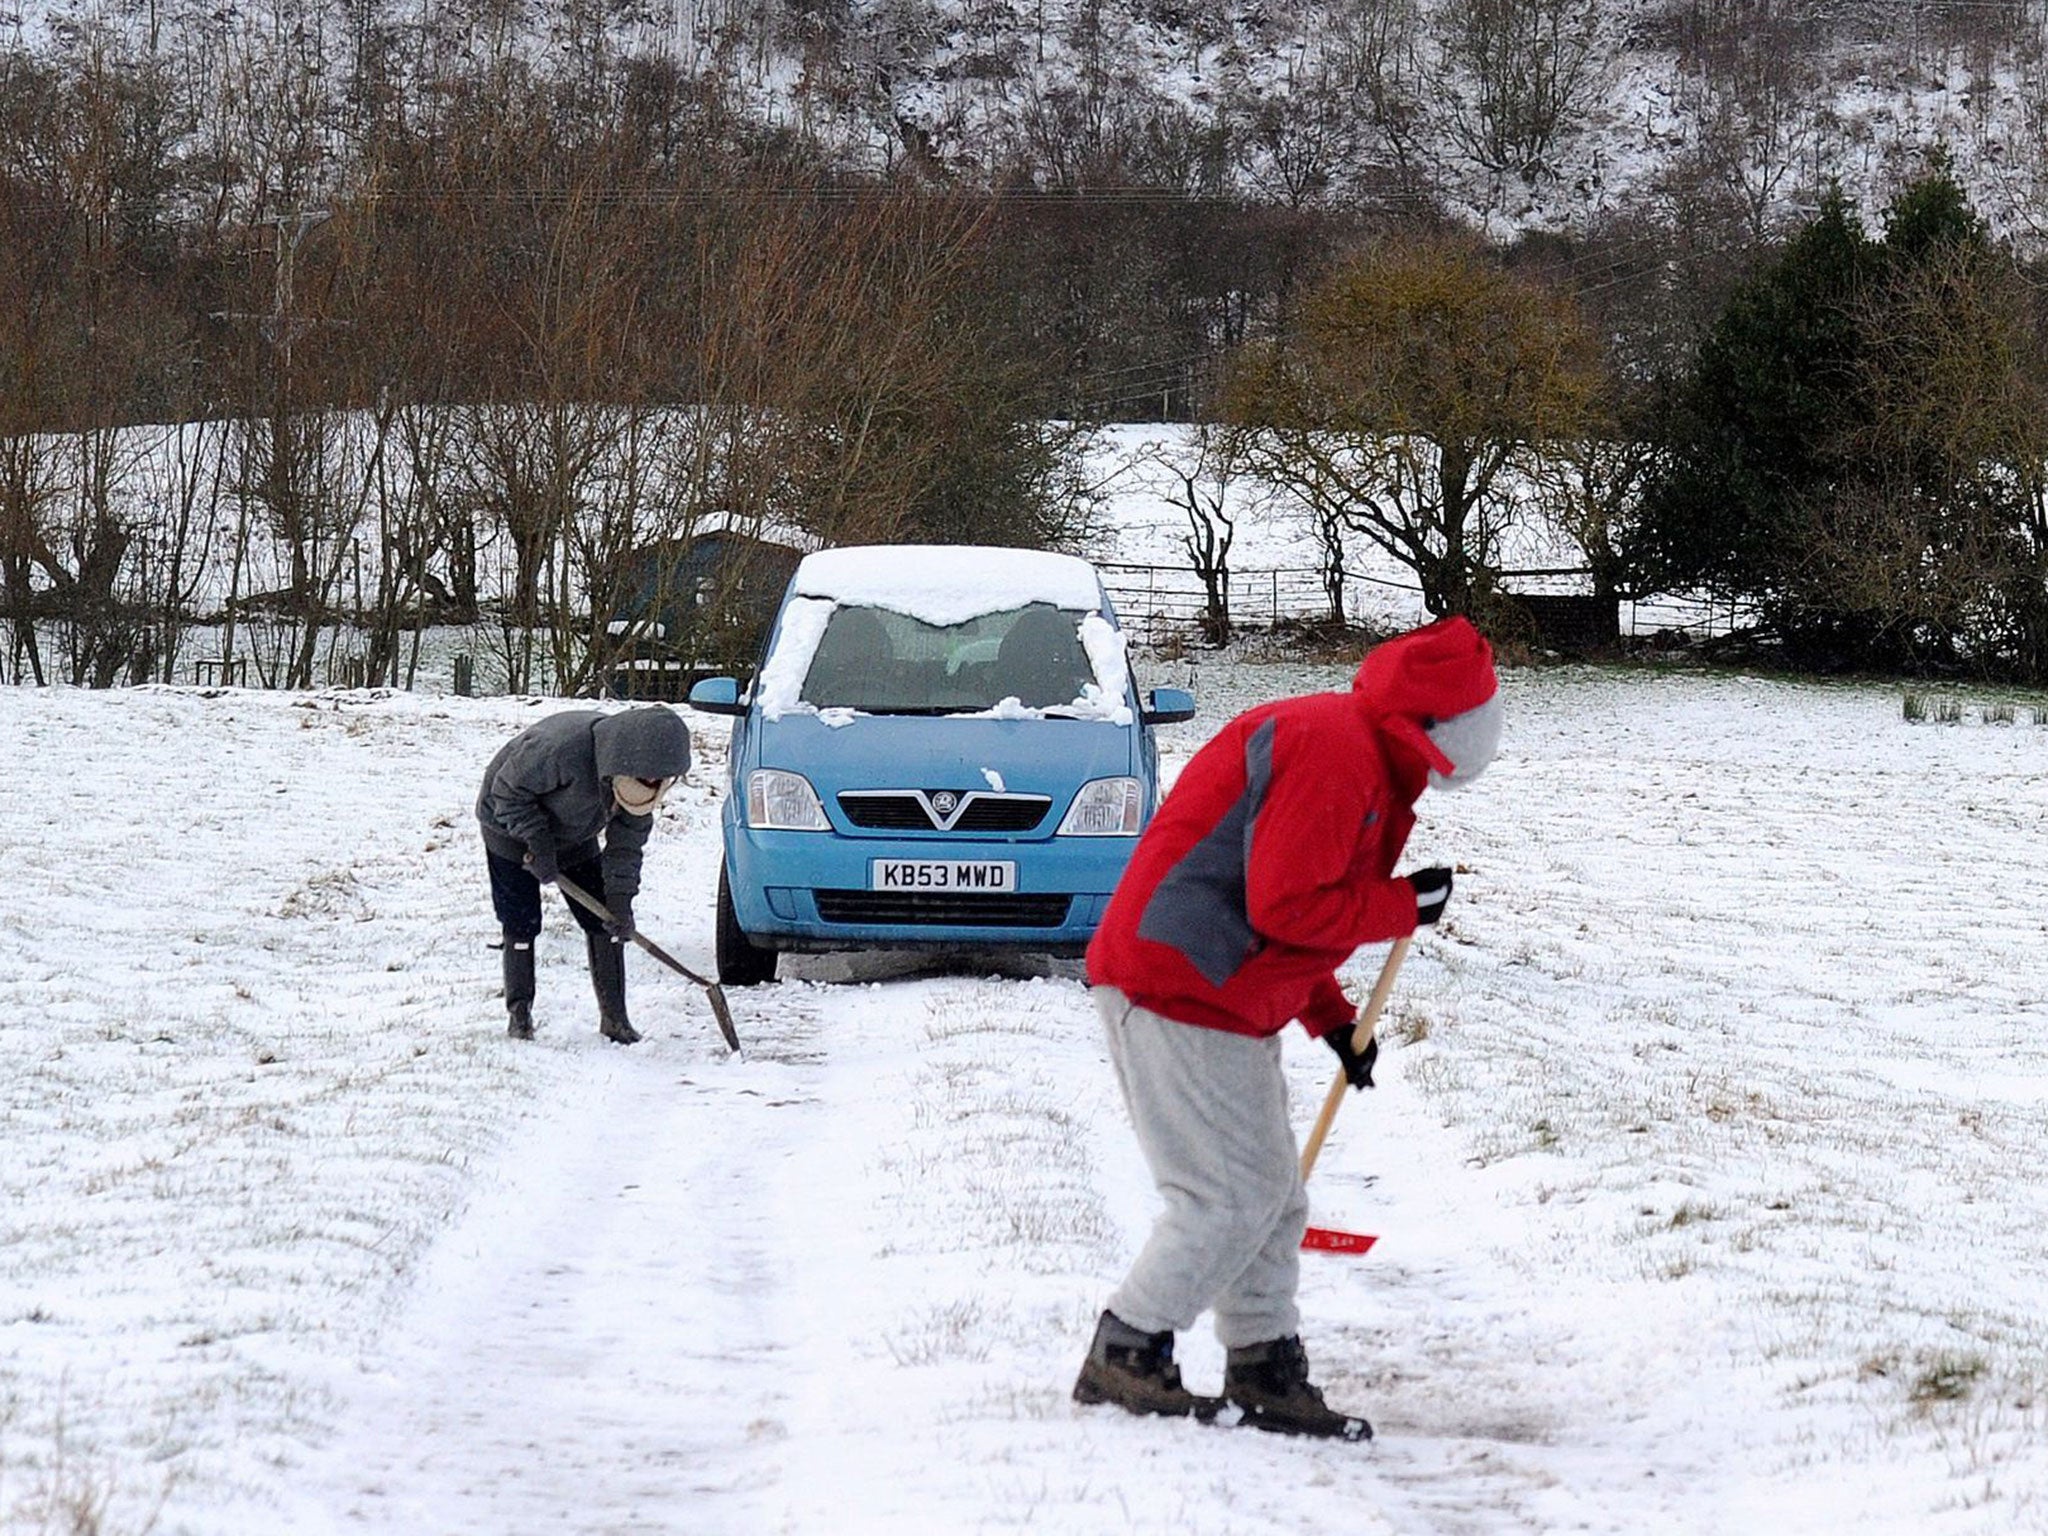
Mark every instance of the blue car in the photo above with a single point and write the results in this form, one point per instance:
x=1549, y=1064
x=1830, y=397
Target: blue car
x=943, y=747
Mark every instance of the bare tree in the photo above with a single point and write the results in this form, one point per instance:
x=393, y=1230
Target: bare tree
x=298, y=472
x=1296, y=139
x=182, y=478
x=553, y=247
x=527, y=466
x=626, y=511
x=1523, y=70
x=1590, y=488
x=1416, y=377
x=87, y=148
x=303, y=482
x=1204, y=471
x=29, y=489
x=1375, y=60
x=1751, y=84
x=100, y=624
x=1934, y=538
x=2022, y=174
x=853, y=343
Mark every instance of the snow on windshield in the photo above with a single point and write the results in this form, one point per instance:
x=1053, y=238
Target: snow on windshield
x=1108, y=660
x=782, y=675
x=945, y=589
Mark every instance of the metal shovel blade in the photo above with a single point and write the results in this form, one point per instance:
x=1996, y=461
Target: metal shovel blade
x=723, y=1014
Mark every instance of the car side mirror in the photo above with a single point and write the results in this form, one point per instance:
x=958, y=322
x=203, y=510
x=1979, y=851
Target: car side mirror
x=1163, y=706
x=717, y=696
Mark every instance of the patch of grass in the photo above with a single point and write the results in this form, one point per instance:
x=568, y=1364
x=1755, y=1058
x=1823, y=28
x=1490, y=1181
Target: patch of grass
x=1691, y=1211
x=949, y=1332
x=336, y=893
x=70, y=1494
x=1948, y=1376
x=941, y=1030
x=1412, y=1027
x=1947, y=709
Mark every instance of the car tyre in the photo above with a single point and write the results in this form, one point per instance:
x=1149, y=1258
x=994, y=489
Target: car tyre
x=741, y=962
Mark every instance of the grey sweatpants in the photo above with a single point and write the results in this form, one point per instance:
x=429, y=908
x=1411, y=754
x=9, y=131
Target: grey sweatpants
x=1210, y=1109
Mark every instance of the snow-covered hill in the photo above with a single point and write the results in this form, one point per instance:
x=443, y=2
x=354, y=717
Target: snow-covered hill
x=1516, y=114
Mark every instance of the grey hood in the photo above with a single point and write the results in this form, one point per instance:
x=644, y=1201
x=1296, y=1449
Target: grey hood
x=651, y=743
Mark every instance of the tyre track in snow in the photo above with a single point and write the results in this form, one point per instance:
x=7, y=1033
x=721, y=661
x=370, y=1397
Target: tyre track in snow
x=790, y=1295
x=597, y=1346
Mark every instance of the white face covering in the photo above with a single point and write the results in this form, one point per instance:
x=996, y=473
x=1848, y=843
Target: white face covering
x=1469, y=741
x=637, y=798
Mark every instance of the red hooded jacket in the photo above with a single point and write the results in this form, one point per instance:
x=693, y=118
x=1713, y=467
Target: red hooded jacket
x=1272, y=858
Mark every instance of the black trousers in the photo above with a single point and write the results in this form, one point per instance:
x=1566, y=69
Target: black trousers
x=515, y=896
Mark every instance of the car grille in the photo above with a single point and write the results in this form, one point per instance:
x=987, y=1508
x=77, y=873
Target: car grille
x=910, y=810
x=956, y=909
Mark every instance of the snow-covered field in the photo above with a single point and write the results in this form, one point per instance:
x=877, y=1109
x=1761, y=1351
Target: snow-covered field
x=1705, y=1162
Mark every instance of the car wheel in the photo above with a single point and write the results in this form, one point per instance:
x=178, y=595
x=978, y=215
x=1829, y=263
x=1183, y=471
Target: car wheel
x=741, y=962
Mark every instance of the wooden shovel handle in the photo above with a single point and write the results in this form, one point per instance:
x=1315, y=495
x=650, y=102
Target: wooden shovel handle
x=1361, y=1032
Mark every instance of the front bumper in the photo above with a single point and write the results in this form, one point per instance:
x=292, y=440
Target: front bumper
x=810, y=891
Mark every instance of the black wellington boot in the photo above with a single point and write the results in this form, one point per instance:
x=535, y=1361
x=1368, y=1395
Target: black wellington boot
x=1135, y=1370
x=1269, y=1383
x=518, y=988
x=608, y=978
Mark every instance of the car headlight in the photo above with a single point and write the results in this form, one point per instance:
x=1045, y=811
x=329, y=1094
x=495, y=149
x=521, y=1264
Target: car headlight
x=1105, y=808
x=784, y=802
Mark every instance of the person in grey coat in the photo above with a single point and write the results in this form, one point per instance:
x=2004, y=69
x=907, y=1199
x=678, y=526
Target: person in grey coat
x=547, y=796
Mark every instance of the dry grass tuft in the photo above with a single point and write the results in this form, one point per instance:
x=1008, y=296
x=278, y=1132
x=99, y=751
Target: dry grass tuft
x=1947, y=1376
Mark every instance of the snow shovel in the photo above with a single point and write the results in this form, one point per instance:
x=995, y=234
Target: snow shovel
x=1361, y=1032
x=712, y=989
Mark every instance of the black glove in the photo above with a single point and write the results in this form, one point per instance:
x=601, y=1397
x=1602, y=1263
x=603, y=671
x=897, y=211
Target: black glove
x=540, y=863
x=620, y=929
x=1357, y=1064
x=1432, y=892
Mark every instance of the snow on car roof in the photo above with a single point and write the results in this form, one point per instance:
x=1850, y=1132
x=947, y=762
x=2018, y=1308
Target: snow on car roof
x=947, y=583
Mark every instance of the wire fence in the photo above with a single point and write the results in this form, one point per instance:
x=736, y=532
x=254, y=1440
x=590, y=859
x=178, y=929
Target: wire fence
x=1163, y=603
x=1158, y=606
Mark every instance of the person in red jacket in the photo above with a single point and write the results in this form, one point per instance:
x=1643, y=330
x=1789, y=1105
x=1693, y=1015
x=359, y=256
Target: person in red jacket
x=1269, y=863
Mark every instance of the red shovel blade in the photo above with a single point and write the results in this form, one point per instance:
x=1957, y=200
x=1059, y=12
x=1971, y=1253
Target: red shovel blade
x=1329, y=1241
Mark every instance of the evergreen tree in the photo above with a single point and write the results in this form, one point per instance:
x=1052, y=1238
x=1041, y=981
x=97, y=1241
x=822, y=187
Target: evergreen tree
x=1747, y=433
x=1848, y=447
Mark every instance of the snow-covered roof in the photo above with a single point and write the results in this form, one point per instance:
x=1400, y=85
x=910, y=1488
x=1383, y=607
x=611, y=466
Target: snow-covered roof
x=947, y=583
x=765, y=530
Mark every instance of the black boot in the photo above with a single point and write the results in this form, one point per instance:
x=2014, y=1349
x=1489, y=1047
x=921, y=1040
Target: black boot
x=608, y=977
x=518, y=988
x=1269, y=1382
x=1135, y=1370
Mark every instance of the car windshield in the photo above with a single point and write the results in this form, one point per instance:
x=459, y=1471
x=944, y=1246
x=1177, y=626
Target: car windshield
x=886, y=663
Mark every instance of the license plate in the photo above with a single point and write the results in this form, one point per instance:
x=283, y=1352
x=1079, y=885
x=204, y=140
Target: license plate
x=941, y=875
